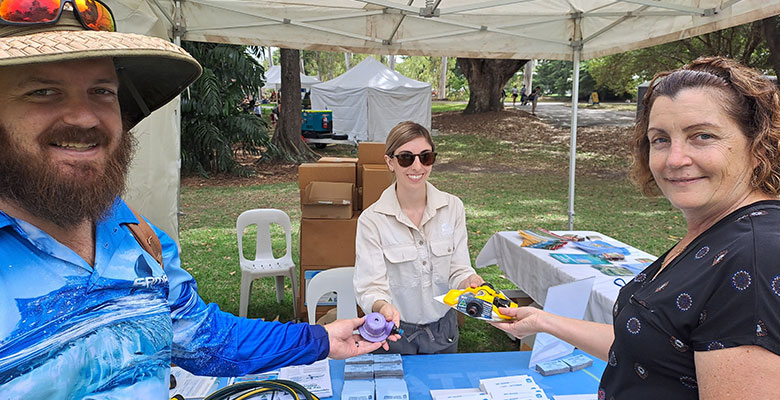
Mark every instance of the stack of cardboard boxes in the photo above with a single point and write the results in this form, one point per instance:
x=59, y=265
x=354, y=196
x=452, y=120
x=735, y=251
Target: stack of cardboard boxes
x=333, y=192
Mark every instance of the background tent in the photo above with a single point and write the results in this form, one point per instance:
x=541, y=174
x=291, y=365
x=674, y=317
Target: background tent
x=370, y=99
x=273, y=79
x=522, y=29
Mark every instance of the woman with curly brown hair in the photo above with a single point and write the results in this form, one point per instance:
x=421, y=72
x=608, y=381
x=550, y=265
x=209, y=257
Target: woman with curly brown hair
x=703, y=321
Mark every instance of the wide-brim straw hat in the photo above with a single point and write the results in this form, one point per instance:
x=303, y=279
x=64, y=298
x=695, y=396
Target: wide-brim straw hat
x=151, y=71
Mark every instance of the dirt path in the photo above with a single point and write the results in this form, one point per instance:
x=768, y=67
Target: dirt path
x=513, y=125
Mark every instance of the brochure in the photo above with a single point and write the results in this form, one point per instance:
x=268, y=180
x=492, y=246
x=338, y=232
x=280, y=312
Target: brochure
x=613, y=270
x=578, y=258
x=599, y=247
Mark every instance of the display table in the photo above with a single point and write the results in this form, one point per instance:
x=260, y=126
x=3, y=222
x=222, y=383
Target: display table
x=534, y=270
x=464, y=370
x=424, y=373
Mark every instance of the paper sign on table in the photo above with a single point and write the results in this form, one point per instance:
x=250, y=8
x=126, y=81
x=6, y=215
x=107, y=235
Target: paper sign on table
x=568, y=300
x=315, y=377
x=578, y=258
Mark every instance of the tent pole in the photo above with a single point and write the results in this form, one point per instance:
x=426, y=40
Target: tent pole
x=575, y=89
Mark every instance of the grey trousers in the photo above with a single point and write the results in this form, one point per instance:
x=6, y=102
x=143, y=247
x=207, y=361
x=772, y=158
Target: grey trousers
x=437, y=337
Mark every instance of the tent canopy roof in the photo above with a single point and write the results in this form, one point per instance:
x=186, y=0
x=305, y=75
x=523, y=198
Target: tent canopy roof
x=371, y=73
x=273, y=79
x=520, y=29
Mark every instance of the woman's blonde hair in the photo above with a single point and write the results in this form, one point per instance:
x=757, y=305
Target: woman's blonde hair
x=404, y=133
x=748, y=98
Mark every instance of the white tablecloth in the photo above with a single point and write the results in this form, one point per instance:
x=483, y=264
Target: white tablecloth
x=534, y=270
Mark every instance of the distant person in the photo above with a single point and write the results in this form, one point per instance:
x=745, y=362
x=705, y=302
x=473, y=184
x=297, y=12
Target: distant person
x=503, y=96
x=275, y=112
x=514, y=95
x=412, y=245
x=523, y=96
x=703, y=320
x=533, y=98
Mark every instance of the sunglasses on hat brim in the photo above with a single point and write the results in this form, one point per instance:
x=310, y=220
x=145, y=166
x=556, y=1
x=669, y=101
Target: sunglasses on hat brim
x=406, y=158
x=92, y=14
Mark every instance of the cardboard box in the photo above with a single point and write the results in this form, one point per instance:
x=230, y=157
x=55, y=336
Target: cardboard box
x=338, y=160
x=376, y=178
x=360, y=169
x=326, y=172
x=327, y=200
x=328, y=242
x=371, y=153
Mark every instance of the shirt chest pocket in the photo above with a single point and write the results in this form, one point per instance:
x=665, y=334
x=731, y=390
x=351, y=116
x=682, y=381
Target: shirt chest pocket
x=402, y=270
x=441, y=258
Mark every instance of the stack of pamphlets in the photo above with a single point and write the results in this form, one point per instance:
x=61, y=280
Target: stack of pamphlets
x=391, y=389
x=541, y=239
x=565, y=364
x=519, y=387
x=459, y=394
x=358, y=390
x=374, y=377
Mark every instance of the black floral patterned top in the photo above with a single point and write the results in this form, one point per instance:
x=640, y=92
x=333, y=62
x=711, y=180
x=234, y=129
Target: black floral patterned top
x=722, y=291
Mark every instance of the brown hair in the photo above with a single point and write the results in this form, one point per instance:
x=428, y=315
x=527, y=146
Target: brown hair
x=748, y=98
x=404, y=133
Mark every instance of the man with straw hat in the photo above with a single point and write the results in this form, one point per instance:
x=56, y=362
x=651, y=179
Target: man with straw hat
x=93, y=301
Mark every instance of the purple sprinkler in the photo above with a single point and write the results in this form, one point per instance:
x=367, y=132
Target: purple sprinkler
x=376, y=328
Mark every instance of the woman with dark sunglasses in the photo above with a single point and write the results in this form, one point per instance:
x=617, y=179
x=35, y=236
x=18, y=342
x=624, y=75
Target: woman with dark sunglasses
x=411, y=246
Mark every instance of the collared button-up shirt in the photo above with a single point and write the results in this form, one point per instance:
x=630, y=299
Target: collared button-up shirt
x=71, y=331
x=408, y=266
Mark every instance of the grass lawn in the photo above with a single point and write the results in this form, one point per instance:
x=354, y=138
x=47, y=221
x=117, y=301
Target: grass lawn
x=504, y=186
x=439, y=106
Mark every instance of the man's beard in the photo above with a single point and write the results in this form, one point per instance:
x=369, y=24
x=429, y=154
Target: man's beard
x=85, y=193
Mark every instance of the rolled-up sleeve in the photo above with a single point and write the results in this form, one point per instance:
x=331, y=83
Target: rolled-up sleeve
x=370, y=279
x=460, y=268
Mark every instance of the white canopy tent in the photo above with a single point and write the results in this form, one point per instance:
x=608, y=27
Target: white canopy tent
x=523, y=29
x=370, y=99
x=273, y=79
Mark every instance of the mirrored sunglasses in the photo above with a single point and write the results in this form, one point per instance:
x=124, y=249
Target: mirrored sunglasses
x=92, y=14
x=406, y=158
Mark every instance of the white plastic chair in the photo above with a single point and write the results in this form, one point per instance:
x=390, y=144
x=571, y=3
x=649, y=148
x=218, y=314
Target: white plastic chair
x=337, y=280
x=264, y=264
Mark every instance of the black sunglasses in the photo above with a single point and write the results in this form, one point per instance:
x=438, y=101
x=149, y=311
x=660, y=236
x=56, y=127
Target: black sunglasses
x=406, y=158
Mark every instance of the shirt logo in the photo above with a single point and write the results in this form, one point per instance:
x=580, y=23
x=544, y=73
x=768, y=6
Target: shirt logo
x=150, y=281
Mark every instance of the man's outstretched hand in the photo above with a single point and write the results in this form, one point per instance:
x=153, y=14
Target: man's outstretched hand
x=345, y=344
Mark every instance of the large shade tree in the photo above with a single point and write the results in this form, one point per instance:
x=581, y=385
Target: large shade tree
x=287, y=135
x=771, y=30
x=487, y=78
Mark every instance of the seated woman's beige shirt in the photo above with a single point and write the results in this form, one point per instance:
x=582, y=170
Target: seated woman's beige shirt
x=406, y=266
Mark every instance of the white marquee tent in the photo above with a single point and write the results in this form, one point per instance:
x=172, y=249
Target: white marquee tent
x=524, y=29
x=370, y=99
x=273, y=79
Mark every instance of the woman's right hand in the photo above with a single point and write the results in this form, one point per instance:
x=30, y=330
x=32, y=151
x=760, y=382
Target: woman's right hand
x=525, y=321
x=388, y=311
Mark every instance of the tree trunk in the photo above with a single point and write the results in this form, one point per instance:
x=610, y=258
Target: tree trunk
x=487, y=78
x=287, y=135
x=771, y=33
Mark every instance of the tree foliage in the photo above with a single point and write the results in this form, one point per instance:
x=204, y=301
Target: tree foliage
x=555, y=77
x=214, y=129
x=623, y=72
x=428, y=69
